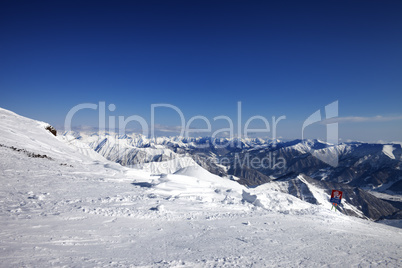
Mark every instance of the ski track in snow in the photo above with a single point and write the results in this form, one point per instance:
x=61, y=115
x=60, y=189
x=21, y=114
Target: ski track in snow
x=85, y=211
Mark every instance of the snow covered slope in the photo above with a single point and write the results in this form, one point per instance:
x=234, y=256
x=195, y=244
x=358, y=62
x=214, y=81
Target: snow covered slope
x=74, y=209
x=23, y=133
x=387, y=150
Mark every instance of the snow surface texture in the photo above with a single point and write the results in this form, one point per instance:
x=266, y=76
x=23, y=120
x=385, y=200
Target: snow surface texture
x=70, y=209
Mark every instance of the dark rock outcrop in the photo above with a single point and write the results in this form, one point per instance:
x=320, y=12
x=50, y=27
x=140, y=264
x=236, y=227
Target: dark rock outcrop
x=51, y=130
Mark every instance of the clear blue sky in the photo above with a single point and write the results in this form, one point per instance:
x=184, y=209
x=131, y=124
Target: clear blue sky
x=277, y=57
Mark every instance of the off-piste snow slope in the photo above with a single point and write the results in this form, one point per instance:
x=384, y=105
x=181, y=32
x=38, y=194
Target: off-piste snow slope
x=64, y=205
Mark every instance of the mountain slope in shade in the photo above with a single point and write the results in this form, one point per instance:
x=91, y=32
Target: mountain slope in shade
x=355, y=202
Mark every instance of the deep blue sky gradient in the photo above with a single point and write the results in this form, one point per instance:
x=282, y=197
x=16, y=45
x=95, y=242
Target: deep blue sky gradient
x=276, y=57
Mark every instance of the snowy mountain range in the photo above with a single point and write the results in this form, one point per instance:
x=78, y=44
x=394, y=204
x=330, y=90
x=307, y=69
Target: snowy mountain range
x=376, y=166
x=76, y=200
x=364, y=169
